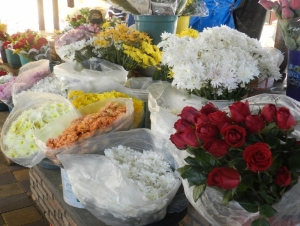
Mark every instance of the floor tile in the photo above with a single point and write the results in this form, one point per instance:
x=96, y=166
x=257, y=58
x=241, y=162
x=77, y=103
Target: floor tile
x=7, y=178
x=15, y=202
x=4, y=168
x=22, y=216
x=16, y=167
x=25, y=185
x=10, y=189
x=22, y=174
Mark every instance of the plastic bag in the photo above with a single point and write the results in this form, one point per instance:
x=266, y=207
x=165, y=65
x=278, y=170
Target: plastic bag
x=5, y=91
x=87, y=80
x=209, y=205
x=29, y=75
x=20, y=135
x=106, y=191
x=55, y=129
x=165, y=103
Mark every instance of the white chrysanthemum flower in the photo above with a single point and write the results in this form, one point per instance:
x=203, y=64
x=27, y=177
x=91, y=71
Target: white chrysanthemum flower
x=222, y=57
x=5, y=78
x=148, y=170
x=19, y=136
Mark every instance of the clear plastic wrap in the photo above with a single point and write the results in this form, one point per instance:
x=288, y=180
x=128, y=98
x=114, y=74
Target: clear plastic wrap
x=29, y=75
x=55, y=129
x=31, y=101
x=87, y=80
x=209, y=205
x=167, y=7
x=106, y=191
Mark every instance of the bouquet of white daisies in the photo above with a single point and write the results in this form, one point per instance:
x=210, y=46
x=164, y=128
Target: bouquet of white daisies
x=218, y=63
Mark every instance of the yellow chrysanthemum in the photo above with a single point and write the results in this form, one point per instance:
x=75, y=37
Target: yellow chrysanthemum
x=81, y=99
x=3, y=28
x=189, y=32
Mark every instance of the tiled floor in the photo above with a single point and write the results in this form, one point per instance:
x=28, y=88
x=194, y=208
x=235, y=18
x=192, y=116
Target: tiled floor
x=16, y=206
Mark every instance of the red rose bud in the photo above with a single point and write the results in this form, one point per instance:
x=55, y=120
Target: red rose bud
x=258, y=157
x=208, y=108
x=268, y=5
x=79, y=17
x=201, y=118
x=239, y=111
x=234, y=135
x=181, y=125
x=219, y=119
x=217, y=148
x=268, y=112
x=177, y=140
x=206, y=131
x=190, y=138
x=254, y=123
x=283, y=177
x=74, y=19
x=284, y=119
x=188, y=113
x=286, y=13
x=295, y=4
x=224, y=177
x=285, y=3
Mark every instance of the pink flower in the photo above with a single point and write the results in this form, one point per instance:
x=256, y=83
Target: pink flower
x=287, y=13
x=295, y=4
x=268, y=5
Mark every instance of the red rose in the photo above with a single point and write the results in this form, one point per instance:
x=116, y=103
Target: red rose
x=208, y=108
x=254, y=123
x=217, y=148
x=79, y=17
x=181, y=125
x=206, y=131
x=188, y=113
x=200, y=118
x=177, y=140
x=234, y=135
x=219, y=119
x=239, y=111
x=268, y=112
x=284, y=119
x=190, y=138
x=224, y=177
x=74, y=19
x=258, y=157
x=283, y=177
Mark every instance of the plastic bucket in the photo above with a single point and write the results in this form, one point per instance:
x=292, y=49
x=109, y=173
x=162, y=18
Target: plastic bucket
x=182, y=23
x=68, y=194
x=3, y=54
x=23, y=60
x=13, y=59
x=155, y=25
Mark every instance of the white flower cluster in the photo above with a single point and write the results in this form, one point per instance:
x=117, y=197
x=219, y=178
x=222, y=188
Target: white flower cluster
x=5, y=78
x=67, y=52
x=148, y=170
x=20, y=139
x=48, y=84
x=222, y=56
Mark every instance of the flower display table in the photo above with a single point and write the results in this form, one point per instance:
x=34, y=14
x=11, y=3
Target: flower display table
x=47, y=192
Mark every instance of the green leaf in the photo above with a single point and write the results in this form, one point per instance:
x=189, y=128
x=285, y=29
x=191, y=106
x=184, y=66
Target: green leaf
x=267, y=197
x=253, y=138
x=191, y=161
x=194, y=175
x=277, y=163
x=198, y=191
x=294, y=161
x=205, y=159
x=227, y=197
x=245, y=183
x=270, y=127
x=290, y=142
x=260, y=222
x=192, y=150
x=266, y=211
x=248, y=206
x=181, y=170
x=272, y=141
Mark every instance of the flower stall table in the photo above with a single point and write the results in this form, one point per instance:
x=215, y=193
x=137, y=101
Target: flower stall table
x=47, y=192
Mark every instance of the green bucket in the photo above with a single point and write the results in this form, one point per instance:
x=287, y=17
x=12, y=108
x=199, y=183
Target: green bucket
x=155, y=25
x=13, y=59
x=23, y=59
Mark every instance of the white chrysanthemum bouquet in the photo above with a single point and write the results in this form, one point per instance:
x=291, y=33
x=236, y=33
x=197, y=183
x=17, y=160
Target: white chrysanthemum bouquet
x=218, y=63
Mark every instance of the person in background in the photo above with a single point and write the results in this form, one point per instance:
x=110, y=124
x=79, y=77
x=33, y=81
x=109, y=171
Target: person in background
x=117, y=13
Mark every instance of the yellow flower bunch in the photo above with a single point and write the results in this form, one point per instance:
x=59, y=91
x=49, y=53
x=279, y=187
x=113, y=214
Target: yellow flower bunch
x=81, y=99
x=130, y=48
x=3, y=28
x=189, y=32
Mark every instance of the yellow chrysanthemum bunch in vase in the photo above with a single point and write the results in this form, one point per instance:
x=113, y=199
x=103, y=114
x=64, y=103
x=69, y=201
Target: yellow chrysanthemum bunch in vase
x=131, y=49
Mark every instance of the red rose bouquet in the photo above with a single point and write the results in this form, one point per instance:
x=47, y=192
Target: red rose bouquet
x=249, y=154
